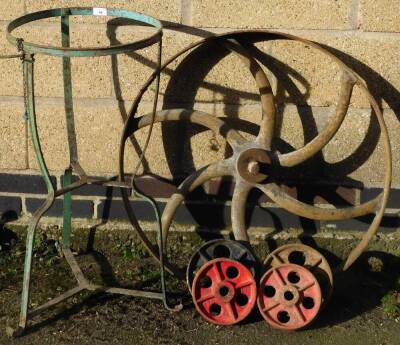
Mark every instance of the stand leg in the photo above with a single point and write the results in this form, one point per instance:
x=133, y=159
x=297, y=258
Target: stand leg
x=67, y=204
x=30, y=109
x=30, y=238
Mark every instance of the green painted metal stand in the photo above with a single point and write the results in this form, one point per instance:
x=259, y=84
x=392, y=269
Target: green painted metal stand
x=28, y=51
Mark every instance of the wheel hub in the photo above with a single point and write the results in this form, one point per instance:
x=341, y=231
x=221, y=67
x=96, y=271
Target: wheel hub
x=225, y=291
x=289, y=296
x=252, y=164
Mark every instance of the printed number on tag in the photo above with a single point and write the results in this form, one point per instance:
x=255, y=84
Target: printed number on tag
x=97, y=11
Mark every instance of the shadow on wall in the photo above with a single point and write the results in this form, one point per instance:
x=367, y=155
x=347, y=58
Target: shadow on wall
x=188, y=77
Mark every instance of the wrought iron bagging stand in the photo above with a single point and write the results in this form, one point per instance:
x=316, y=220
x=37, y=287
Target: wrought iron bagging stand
x=28, y=51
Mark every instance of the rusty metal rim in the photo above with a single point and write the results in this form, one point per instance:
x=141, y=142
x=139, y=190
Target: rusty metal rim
x=350, y=77
x=85, y=51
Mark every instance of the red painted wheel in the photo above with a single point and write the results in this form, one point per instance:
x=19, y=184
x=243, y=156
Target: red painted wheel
x=224, y=291
x=289, y=297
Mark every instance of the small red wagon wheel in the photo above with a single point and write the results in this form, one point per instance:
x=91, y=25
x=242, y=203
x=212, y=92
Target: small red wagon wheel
x=224, y=291
x=289, y=297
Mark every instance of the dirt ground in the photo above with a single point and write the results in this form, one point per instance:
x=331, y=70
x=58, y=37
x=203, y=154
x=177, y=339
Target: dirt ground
x=355, y=314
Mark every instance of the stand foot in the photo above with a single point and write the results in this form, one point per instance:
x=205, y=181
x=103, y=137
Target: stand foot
x=14, y=332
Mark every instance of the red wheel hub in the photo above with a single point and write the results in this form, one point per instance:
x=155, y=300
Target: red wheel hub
x=224, y=291
x=289, y=297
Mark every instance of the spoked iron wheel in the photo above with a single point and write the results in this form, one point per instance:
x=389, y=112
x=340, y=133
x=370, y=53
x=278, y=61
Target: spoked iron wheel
x=310, y=258
x=220, y=248
x=289, y=297
x=224, y=291
x=255, y=164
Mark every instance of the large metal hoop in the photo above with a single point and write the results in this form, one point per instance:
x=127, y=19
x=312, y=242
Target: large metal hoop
x=350, y=78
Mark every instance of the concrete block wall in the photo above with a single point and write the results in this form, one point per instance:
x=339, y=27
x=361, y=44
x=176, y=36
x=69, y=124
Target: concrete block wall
x=364, y=33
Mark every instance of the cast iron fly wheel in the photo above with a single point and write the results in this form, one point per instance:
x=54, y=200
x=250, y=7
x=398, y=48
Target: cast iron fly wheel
x=220, y=248
x=251, y=159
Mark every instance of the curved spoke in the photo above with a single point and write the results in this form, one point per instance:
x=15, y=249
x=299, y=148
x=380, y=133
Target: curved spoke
x=219, y=275
x=267, y=124
x=307, y=286
x=278, y=258
x=270, y=307
x=356, y=252
x=296, y=157
x=244, y=284
x=238, y=210
x=205, y=298
x=218, y=169
x=194, y=116
x=279, y=279
x=300, y=315
x=231, y=311
x=299, y=208
x=204, y=257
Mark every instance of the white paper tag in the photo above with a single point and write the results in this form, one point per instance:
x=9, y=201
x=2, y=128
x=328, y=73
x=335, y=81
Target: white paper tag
x=99, y=11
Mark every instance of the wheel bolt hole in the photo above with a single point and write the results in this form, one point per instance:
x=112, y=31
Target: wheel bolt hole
x=283, y=316
x=293, y=277
x=288, y=295
x=232, y=272
x=269, y=291
x=223, y=291
x=205, y=282
x=241, y=300
x=298, y=258
x=221, y=251
x=215, y=309
x=308, y=303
